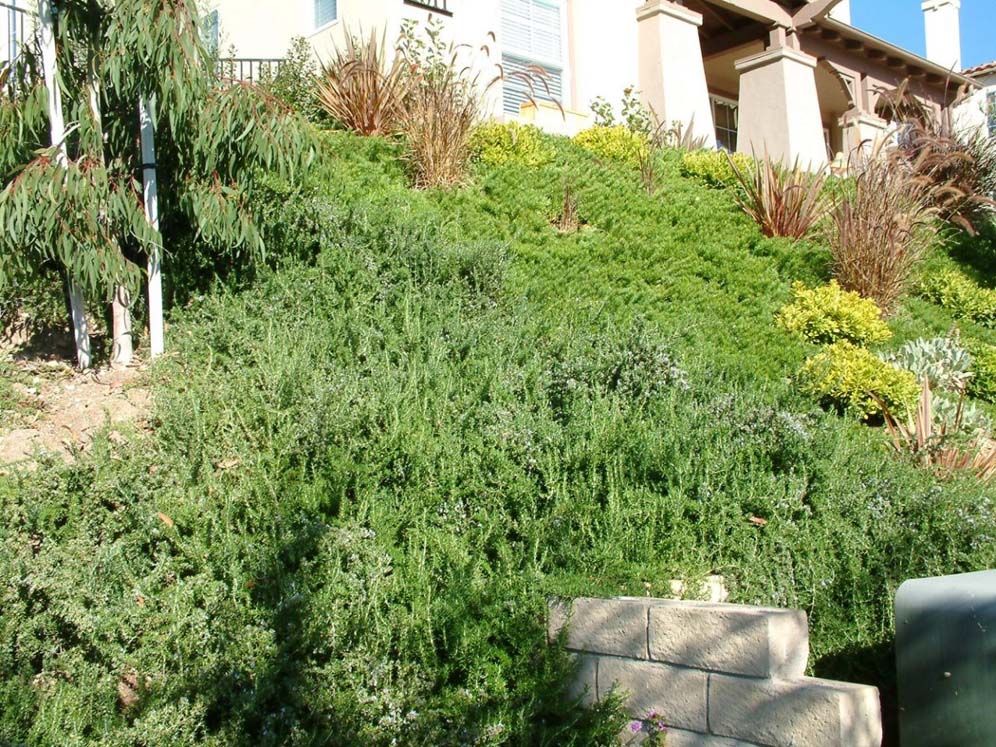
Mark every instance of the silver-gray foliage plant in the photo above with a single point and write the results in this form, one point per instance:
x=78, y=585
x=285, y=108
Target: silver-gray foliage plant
x=942, y=360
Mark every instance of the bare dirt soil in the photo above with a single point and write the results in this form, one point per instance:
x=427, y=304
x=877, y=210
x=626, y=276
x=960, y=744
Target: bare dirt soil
x=53, y=409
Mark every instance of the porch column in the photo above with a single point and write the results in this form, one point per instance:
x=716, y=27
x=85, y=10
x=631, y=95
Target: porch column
x=671, y=71
x=779, y=108
x=862, y=129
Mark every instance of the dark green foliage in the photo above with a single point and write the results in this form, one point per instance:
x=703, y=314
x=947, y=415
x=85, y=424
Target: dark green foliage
x=370, y=469
x=212, y=142
x=294, y=83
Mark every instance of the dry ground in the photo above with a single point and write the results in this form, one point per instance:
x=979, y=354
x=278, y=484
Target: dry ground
x=56, y=410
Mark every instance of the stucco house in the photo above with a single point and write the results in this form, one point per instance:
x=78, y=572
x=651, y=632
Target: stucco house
x=977, y=113
x=793, y=77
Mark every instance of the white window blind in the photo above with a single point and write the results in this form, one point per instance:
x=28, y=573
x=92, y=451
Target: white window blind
x=325, y=12
x=532, y=34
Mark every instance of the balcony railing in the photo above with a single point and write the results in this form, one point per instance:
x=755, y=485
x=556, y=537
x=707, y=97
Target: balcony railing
x=248, y=69
x=436, y=6
x=16, y=28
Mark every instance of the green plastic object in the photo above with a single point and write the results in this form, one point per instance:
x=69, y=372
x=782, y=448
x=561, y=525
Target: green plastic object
x=946, y=661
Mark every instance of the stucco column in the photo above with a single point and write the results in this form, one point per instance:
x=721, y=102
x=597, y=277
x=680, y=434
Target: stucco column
x=779, y=108
x=862, y=129
x=671, y=70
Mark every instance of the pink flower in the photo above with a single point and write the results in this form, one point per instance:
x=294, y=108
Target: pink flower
x=635, y=726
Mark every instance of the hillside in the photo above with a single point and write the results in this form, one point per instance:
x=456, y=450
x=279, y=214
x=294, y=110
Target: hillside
x=371, y=464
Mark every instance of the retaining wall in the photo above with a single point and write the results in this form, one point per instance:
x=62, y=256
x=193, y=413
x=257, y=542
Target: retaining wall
x=720, y=675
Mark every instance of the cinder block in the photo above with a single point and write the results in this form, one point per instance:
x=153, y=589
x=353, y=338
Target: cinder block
x=730, y=638
x=677, y=695
x=617, y=627
x=584, y=686
x=800, y=713
x=682, y=738
x=558, y=614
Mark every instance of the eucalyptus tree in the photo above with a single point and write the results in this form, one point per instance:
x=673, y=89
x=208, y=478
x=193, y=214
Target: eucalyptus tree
x=123, y=70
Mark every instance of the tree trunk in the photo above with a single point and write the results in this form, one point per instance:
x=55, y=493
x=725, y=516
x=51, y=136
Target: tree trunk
x=57, y=130
x=121, y=325
x=146, y=114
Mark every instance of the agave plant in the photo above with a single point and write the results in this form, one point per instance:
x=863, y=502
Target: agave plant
x=784, y=202
x=945, y=442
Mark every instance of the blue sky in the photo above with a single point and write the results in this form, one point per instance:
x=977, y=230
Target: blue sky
x=901, y=22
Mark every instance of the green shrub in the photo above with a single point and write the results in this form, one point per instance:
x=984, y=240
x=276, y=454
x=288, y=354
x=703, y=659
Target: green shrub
x=959, y=294
x=495, y=144
x=983, y=382
x=830, y=314
x=713, y=166
x=848, y=376
x=616, y=143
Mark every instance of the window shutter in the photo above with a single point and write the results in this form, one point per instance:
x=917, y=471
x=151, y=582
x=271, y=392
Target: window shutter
x=546, y=31
x=531, y=35
x=515, y=26
x=325, y=12
x=531, y=29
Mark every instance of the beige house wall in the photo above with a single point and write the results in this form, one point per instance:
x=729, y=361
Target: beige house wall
x=971, y=116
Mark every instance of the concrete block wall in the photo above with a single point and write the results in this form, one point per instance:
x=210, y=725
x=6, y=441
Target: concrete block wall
x=720, y=675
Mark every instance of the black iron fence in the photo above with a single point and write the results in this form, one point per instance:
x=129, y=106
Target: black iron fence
x=16, y=30
x=248, y=69
x=440, y=6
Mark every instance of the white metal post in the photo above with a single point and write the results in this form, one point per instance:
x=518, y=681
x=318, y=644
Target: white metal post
x=57, y=129
x=146, y=114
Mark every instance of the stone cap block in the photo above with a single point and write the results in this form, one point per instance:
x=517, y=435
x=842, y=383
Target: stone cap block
x=807, y=711
x=730, y=638
x=617, y=627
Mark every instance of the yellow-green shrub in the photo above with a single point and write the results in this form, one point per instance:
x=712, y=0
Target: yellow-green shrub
x=713, y=166
x=983, y=382
x=495, y=144
x=829, y=314
x=615, y=142
x=959, y=294
x=848, y=376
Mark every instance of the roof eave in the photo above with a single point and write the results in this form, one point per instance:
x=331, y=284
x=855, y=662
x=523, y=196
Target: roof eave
x=848, y=31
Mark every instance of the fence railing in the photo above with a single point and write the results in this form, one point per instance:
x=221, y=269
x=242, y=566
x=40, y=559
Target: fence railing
x=248, y=69
x=16, y=29
x=440, y=6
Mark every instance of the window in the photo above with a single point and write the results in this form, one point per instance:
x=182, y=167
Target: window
x=725, y=115
x=325, y=12
x=532, y=35
x=991, y=112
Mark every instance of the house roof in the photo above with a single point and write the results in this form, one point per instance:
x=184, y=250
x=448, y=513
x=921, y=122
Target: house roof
x=915, y=65
x=983, y=69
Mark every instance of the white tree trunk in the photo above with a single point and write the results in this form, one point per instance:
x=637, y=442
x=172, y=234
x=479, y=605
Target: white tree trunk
x=57, y=130
x=121, y=320
x=146, y=114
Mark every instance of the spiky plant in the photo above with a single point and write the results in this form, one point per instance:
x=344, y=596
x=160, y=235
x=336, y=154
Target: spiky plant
x=881, y=227
x=365, y=85
x=942, y=442
x=783, y=201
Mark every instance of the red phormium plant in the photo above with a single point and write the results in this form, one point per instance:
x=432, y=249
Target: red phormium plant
x=783, y=201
